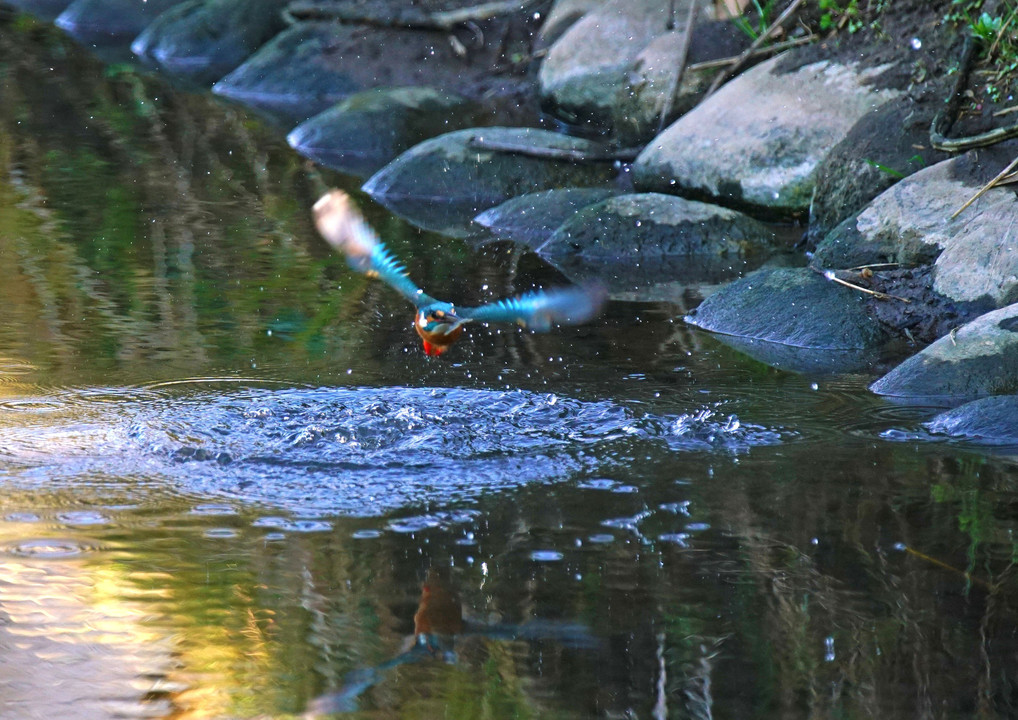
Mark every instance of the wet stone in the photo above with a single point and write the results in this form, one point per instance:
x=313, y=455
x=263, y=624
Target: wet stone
x=980, y=358
x=531, y=219
x=975, y=254
x=766, y=154
x=880, y=150
x=563, y=15
x=586, y=67
x=203, y=40
x=992, y=420
x=89, y=19
x=363, y=133
x=652, y=224
x=464, y=177
x=792, y=308
x=649, y=89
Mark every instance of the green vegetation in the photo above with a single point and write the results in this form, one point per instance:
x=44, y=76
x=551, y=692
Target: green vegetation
x=998, y=35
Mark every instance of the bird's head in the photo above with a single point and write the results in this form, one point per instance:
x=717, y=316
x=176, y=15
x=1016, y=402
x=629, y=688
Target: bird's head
x=439, y=327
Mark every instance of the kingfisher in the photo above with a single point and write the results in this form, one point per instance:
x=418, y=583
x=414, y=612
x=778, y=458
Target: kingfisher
x=439, y=323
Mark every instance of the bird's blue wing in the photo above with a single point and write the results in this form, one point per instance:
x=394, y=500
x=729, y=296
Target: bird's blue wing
x=344, y=228
x=542, y=309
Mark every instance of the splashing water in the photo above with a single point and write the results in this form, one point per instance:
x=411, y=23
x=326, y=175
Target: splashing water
x=352, y=451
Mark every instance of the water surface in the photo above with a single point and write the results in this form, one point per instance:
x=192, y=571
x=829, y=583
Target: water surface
x=227, y=469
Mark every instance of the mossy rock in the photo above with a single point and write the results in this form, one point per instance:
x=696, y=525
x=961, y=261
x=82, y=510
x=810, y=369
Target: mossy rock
x=531, y=219
x=445, y=181
x=979, y=359
x=794, y=307
x=640, y=225
x=758, y=141
x=991, y=421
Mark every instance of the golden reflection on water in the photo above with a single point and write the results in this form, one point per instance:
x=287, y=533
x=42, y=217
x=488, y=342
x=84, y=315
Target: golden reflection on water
x=73, y=644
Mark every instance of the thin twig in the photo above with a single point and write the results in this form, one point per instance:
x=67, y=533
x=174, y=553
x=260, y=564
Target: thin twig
x=748, y=52
x=680, y=69
x=575, y=155
x=769, y=50
x=995, y=181
x=941, y=564
x=873, y=266
x=829, y=274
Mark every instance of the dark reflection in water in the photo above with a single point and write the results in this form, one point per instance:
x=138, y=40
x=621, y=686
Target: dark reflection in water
x=227, y=469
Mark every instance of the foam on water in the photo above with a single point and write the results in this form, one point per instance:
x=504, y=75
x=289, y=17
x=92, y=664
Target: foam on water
x=347, y=450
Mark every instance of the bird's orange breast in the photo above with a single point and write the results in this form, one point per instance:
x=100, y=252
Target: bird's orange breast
x=437, y=343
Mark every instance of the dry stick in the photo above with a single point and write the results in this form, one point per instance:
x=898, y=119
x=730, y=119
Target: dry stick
x=410, y=18
x=995, y=181
x=941, y=564
x=748, y=52
x=673, y=88
x=829, y=274
x=605, y=155
x=769, y=50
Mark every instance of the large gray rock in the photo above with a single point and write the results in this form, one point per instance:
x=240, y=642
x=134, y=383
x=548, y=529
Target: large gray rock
x=792, y=318
x=531, y=219
x=444, y=182
x=202, y=40
x=648, y=225
x=975, y=253
x=368, y=130
x=990, y=421
x=649, y=89
x=89, y=20
x=587, y=66
x=878, y=151
x=759, y=139
x=562, y=15
x=981, y=358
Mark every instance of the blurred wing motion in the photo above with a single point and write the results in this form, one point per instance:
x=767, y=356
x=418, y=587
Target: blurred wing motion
x=542, y=309
x=344, y=228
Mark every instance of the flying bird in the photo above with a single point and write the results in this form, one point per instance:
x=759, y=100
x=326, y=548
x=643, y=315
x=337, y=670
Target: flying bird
x=440, y=323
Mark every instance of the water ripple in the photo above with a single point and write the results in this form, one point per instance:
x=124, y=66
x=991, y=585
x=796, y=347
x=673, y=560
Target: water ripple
x=355, y=451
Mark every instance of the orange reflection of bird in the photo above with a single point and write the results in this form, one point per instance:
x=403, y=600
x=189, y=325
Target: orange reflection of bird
x=439, y=613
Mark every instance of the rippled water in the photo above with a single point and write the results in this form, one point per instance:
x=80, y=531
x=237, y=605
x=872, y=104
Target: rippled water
x=231, y=486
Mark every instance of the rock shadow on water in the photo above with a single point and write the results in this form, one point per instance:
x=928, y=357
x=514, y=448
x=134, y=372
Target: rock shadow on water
x=349, y=451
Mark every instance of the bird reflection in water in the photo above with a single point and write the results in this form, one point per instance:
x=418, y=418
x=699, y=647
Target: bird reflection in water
x=438, y=622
